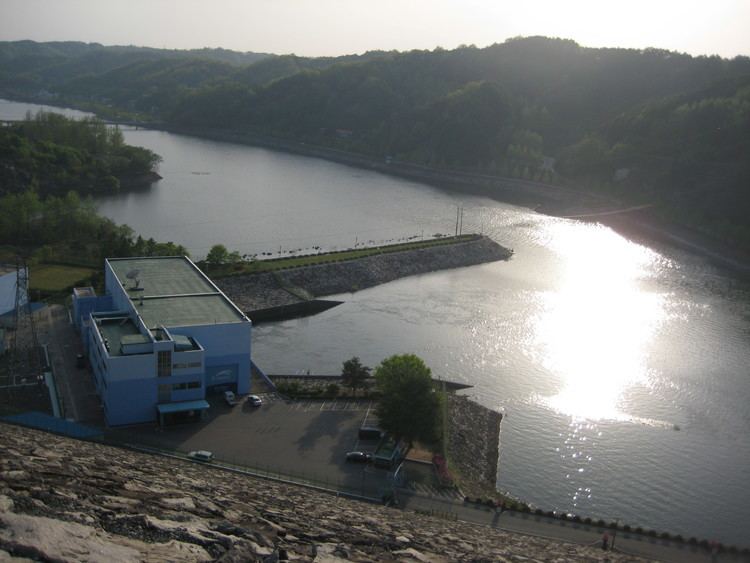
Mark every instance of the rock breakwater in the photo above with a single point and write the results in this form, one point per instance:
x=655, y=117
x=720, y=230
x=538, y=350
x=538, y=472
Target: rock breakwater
x=261, y=291
x=66, y=500
x=474, y=444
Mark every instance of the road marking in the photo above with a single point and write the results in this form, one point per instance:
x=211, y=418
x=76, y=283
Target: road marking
x=321, y=406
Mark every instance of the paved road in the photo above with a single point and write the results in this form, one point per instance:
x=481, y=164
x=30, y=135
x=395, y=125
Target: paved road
x=75, y=385
x=632, y=544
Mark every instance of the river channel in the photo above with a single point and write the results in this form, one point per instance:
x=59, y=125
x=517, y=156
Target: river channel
x=623, y=370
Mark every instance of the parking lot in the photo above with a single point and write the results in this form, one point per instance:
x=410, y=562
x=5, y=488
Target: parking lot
x=307, y=439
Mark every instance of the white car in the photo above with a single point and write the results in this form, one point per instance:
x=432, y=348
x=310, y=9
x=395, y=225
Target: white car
x=201, y=455
x=254, y=400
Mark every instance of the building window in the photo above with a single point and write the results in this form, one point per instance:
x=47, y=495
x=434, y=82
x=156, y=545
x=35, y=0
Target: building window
x=164, y=363
x=188, y=385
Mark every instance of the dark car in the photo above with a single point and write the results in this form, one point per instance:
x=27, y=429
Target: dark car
x=359, y=457
x=80, y=361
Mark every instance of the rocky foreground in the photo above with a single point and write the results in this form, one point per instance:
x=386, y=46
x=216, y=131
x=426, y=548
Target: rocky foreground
x=66, y=500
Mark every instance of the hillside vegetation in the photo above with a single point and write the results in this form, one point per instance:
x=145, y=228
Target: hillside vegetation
x=641, y=126
x=53, y=155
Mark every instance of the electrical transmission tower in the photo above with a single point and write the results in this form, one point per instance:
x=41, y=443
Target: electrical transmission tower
x=23, y=363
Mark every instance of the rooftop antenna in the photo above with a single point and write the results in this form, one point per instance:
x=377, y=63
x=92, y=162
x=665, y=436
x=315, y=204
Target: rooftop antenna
x=133, y=275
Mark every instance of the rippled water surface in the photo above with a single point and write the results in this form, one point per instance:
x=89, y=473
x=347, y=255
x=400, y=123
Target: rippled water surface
x=623, y=370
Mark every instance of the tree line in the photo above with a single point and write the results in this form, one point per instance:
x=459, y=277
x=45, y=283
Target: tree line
x=643, y=126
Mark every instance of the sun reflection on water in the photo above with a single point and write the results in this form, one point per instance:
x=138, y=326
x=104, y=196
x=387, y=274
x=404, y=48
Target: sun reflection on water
x=594, y=331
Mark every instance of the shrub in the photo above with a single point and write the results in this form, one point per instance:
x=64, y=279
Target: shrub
x=539, y=512
x=576, y=518
x=652, y=533
x=665, y=535
x=601, y=523
x=587, y=520
x=693, y=540
x=551, y=514
x=613, y=525
x=626, y=527
x=332, y=390
x=639, y=530
x=678, y=538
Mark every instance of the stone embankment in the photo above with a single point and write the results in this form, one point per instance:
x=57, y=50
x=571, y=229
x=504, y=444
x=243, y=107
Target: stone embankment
x=261, y=291
x=66, y=500
x=473, y=445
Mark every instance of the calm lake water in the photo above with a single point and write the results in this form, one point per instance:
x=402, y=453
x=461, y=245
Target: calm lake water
x=623, y=370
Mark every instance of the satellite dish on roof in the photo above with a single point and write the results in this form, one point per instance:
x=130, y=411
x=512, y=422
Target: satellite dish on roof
x=133, y=275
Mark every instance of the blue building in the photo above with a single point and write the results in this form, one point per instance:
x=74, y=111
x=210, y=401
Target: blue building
x=161, y=338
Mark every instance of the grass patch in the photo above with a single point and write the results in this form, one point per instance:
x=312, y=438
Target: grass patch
x=270, y=265
x=57, y=277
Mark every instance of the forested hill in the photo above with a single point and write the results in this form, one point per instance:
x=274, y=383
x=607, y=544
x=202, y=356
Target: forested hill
x=51, y=154
x=645, y=126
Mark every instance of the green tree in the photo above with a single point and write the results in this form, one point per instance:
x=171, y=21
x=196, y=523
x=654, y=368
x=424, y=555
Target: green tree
x=409, y=406
x=218, y=255
x=354, y=374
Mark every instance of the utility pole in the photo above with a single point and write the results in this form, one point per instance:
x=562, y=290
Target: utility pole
x=457, y=212
x=461, y=227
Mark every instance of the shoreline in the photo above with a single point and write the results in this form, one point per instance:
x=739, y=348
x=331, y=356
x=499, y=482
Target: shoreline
x=553, y=200
x=638, y=225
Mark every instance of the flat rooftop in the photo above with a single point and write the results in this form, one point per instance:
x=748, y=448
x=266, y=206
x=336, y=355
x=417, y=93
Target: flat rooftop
x=115, y=330
x=160, y=276
x=172, y=291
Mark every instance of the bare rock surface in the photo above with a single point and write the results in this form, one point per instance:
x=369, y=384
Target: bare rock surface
x=83, y=501
x=474, y=444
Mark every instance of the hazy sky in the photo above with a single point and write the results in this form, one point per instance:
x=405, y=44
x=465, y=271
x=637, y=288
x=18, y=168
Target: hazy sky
x=335, y=27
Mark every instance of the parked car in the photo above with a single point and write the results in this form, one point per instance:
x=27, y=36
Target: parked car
x=201, y=455
x=80, y=361
x=230, y=398
x=254, y=400
x=358, y=457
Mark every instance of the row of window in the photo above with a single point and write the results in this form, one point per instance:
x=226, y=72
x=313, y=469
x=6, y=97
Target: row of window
x=188, y=385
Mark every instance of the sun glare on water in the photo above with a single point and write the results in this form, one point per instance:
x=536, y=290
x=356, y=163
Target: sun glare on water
x=594, y=331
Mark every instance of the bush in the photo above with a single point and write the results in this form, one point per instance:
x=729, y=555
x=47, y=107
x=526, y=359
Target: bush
x=613, y=525
x=626, y=527
x=601, y=523
x=587, y=520
x=332, y=390
x=551, y=514
x=639, y=530
x=539, y=512
x=652, y=533
x=665, y=535
x=693, y=540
